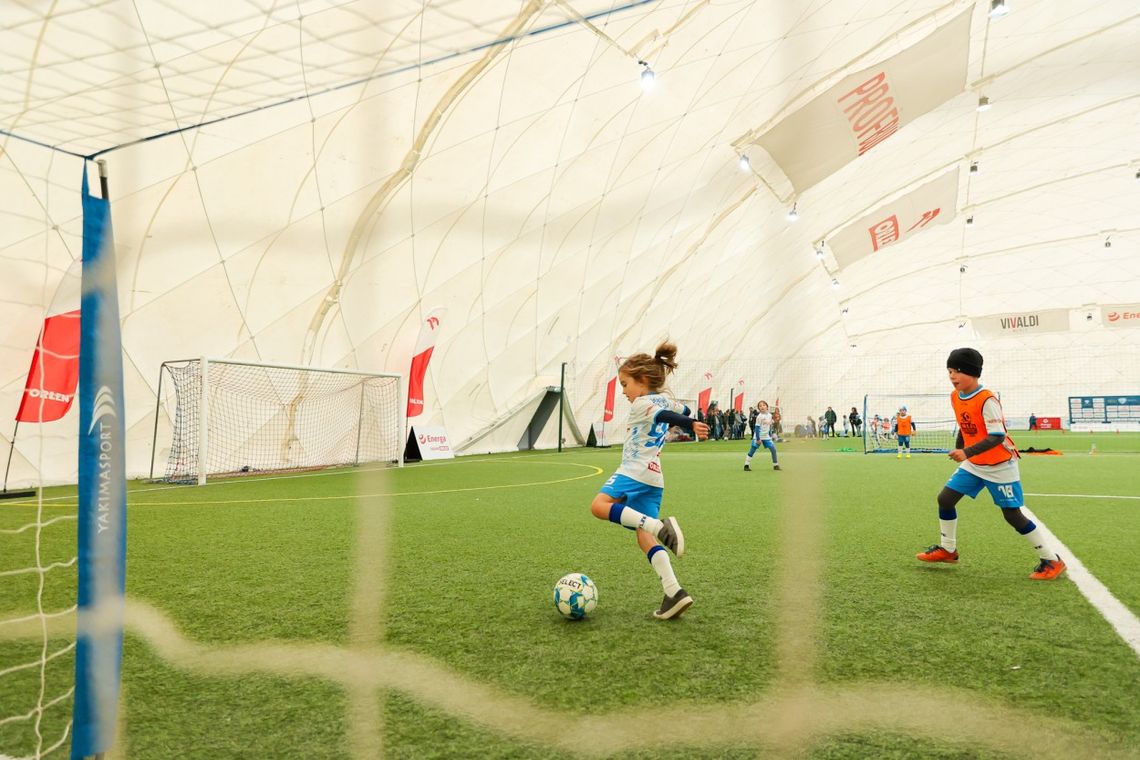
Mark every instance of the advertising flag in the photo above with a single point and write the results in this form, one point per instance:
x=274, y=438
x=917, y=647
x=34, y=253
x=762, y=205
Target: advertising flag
x=102, y=539
x=924, y=207
x=738, y=401
x=704, y=397
x=54, y=374
x=429, y=330
x=866, y=108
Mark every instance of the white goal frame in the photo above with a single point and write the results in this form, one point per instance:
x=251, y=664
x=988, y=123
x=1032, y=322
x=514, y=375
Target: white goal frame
x=932, y=415
x=398, y=420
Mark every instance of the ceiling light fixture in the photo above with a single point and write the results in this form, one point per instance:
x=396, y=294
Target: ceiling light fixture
x=984, y=103
x=793, y=215
x=648, y=78
x=998, y=8
x=973, y=167
x=745, y=164
x=969, y=221
x=834, y=282
x=1107, y=243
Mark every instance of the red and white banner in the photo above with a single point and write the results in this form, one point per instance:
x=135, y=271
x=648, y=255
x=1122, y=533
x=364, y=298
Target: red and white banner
x=1048, y=423
x=867, y=107
x=611, y=393
x=704, y=397
x=924, y=207
x=1120, y=315
x=738, y=399
x=54, y=374
x=432, y=443
x=424, y=347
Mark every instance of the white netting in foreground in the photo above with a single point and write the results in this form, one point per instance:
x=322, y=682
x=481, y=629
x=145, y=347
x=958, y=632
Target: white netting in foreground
x=235, y=417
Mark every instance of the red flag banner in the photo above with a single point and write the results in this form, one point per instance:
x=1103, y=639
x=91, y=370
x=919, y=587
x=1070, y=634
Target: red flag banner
x=424, y=347
x=738, y=402
x=54, y=374
x=611, y=393
x=704, y=397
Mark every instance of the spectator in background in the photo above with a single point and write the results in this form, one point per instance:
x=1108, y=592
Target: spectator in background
x=831, y=417
x=810, y=427
x=1032, y=421
x=777, y=425
x=856, y=422
x=751, y=418
x=846, y=422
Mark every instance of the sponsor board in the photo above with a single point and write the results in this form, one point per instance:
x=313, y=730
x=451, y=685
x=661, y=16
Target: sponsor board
x=1120, y=315
x=428, y=443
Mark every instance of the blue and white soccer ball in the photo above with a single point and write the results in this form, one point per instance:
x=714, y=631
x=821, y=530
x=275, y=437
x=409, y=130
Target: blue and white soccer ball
x=575, y=595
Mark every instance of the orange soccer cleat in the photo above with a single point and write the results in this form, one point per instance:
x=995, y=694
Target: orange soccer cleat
x=937, y=554
x=1048, y=569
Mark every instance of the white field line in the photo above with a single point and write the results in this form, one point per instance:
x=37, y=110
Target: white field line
x=1082, y=496
x=1126, y=625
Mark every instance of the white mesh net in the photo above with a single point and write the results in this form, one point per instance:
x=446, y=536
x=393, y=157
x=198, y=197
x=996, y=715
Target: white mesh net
x=260, y=418
x=933, y=425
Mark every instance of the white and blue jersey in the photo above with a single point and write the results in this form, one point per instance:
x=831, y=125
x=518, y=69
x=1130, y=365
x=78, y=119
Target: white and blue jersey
x=762, y=429
x=645, y=436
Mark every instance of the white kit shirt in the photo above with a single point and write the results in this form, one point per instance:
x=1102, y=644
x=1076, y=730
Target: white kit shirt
x=640, y=458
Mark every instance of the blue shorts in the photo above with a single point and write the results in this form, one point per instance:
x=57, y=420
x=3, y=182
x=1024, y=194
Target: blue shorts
x=768, y=444
x=904, y=440
x=1005, y=495
x=638, y=496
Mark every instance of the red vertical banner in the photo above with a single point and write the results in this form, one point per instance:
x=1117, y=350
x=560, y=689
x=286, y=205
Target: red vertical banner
x=704, y=396
x=420, y=358
x=738, y=402
x=611, y=393
x=54, y=373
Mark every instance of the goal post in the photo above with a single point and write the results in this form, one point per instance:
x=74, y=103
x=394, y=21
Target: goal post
x=935, y=428
x=234, y=418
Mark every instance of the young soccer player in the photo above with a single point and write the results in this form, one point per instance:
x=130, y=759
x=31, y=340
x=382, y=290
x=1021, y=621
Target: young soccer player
x=762, y=436
x=904, y=425
x=989, y=460
x=632, y=496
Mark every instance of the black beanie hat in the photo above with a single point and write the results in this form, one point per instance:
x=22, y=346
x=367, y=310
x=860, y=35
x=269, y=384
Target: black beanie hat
x=965, y=360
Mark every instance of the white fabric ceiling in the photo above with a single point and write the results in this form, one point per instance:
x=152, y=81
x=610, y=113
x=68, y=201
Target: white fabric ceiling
x=301, y=182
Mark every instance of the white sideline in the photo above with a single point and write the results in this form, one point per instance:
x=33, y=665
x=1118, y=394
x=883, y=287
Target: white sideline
x=1081, y=496
x=1126, y=624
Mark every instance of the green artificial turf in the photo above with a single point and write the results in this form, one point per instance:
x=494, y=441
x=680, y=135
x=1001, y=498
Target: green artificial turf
x=475, y=547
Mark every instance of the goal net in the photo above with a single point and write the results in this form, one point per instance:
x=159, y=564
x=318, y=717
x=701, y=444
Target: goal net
x=234, y=418
x=935, y=428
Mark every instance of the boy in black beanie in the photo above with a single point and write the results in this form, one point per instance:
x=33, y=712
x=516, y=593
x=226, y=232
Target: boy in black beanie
x=988, y=460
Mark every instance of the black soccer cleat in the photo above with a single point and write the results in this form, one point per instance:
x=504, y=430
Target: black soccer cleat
x=747, y=468
x=671, y=536
x=673, y=606
x=775, y=467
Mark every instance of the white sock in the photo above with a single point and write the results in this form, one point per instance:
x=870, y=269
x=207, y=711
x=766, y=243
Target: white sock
x=664, y=571
x=747, y=459
x=631, y=518
x=949, y=531
x=1037, y=540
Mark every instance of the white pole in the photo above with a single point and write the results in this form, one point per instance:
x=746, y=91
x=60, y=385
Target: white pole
x=203, y=421
x=401, y=418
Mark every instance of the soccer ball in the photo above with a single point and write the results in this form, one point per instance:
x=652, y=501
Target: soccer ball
x=575, y=595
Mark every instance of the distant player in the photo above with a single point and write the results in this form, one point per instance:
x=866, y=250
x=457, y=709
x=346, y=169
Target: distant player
x=632, y=496
x=989, y=460
x=904, y=426
x=762, y=436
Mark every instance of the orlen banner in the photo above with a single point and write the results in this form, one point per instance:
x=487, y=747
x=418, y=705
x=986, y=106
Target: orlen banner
x=1018, y=323
x=54, y=375
x=424, y=347
x=1121, y=315
x=868, y=107
x=924, y=207
x=704, y=396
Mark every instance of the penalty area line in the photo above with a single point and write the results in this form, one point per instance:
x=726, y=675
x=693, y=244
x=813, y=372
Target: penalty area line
x=1126, y=625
